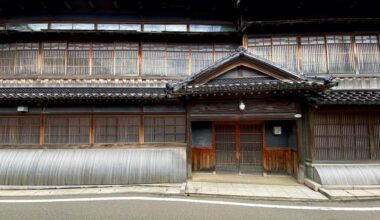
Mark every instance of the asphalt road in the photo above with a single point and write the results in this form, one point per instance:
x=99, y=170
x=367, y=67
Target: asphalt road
x=154, y=207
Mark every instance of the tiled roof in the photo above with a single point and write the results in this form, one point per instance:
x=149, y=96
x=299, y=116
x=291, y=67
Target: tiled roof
x=347, y=97
x=81, y=93
x=253, y=87
x=288, y=80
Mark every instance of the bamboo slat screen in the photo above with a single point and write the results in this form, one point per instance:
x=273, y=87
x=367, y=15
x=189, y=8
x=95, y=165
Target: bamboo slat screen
x=175, y=59
x=377, y=135
x=78, y=58
x=153, y=59
x=19, y=58
x=108, y=59
x=164, y=129
x=54, y=59
x=67, y=130
x=340, y=52
x=19, y=130
x=202, y=56
x=285, y=52
x=102, y=59
x=126, y=59
x=321, y=54
x=341, y=136
x=368, y=54
x=313, y=55
x=117, y=129
x=261, y=47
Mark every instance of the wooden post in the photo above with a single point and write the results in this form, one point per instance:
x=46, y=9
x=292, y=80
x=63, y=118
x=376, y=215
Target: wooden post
x=355, y=55
x=42, y=130
x=92, y=133
x=238, y=149
x=245, y=41
x=189, y=143
x=327, y=56
x=139, y=58
x=141, y=130
x=311, y=134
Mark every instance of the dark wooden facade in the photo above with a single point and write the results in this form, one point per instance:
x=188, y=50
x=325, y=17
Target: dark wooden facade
x=142, y=74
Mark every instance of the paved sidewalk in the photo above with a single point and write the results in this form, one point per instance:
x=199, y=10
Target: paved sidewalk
x=351, y=194
x=258, y=191
x=169, y=189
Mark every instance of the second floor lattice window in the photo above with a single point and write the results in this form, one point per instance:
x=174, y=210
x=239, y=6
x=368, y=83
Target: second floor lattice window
x=340, y=54
x=19, y=58
x=367, y=48
x=313, y=53
x=78, y=58
x=54, y=58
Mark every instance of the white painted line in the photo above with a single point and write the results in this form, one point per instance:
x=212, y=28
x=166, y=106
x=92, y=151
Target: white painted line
x=212, y=202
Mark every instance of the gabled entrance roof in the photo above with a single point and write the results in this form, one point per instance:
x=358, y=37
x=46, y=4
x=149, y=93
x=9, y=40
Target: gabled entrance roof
x=245, y=72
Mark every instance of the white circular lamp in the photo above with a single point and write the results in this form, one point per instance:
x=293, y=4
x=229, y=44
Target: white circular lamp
x=241, y=105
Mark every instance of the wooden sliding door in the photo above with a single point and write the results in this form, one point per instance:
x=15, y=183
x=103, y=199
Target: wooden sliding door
x=238, y=147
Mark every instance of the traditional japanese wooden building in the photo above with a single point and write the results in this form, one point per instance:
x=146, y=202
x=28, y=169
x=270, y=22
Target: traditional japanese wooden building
x=121, y=92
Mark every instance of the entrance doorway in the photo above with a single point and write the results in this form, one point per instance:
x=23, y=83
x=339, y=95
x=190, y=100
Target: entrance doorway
x=238, y=148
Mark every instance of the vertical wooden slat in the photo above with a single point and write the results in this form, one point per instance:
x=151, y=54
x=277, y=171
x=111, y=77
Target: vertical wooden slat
x=372, y=138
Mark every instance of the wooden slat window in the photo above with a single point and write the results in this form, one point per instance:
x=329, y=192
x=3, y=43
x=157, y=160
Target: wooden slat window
x=341, y=136
x=340, y=53
x=26, y=58
x=313, y=55
x=376, y=125
x=202, y=56
x=261, y=47
x=102, y=59
x=67, y=130
x=164, y=128
x=117, y=129
x=153, y=59
x=126, y=59
x=7, y=59
x=177, y=60
x=54, y=59
x=78, y=59
x=368, y=55
x=285, y=52
x=19, y=130
x=223, y=50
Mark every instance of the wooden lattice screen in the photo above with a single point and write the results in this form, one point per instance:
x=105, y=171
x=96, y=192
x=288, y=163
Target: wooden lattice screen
x=341, y=136
x=377, y=134
x=67, y=130
x=117, y=129
x=314, y=57
x=19, y=130
x=164, y=128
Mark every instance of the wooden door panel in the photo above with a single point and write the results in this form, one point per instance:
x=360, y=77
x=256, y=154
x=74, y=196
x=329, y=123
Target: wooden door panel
x=225, y=148
x=251, y=144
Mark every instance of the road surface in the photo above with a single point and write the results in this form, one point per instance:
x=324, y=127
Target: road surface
x=127, y=206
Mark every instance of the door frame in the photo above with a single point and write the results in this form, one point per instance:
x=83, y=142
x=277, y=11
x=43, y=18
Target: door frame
x=237, y=125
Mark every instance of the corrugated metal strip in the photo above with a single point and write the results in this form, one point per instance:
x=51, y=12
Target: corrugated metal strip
x=350, y=174
x=92, y=166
